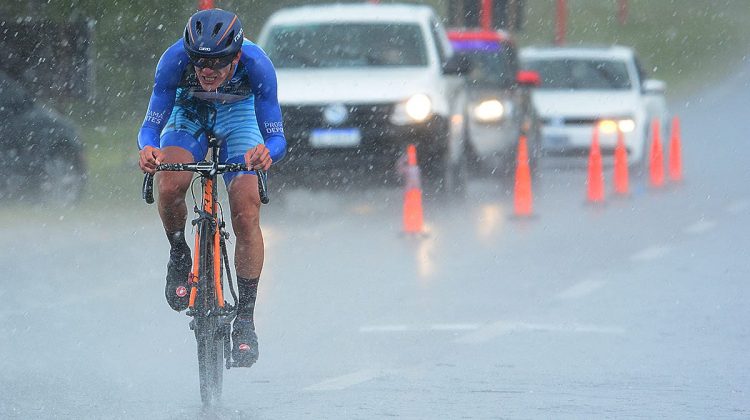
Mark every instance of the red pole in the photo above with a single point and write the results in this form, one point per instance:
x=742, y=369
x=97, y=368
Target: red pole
x=622, y=11
x=205, y=4
x=560, y=22
x=485, y=15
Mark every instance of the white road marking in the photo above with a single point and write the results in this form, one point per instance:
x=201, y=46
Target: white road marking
x=651, y=253
x=404, y=327
x=383, y=328
x=500, y=328
x=580, y=290
x=488, y=332
x=739, y=206
x=454, y=327
x=346, y=381
x=482, y=333
x=702, y=226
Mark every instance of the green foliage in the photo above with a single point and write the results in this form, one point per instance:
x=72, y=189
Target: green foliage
x=681, y=41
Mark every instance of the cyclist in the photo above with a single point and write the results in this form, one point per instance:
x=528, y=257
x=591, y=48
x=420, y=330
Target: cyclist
x=214, y=79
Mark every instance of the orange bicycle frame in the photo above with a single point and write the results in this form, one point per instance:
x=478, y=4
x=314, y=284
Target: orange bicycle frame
x=209, y=207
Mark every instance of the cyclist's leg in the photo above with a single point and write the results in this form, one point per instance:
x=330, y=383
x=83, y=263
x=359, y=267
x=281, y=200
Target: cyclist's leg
x=181, y=142
x=179, y=146
x=237, y=126
x=244, y=203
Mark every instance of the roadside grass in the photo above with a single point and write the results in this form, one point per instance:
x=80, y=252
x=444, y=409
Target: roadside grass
x=114, y=176
x=687, y=43
x=114, y=179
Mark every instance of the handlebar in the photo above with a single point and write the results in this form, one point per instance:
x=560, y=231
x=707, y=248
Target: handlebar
x=205, y=169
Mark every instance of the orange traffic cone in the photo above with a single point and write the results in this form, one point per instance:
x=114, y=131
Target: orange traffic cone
x=675, y=152
x=621, y=165
x=596, y=175
x=656, y=157
x=413, y=217
x=522, y=198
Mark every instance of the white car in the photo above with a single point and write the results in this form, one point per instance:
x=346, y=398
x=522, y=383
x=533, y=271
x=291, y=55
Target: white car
x=582, y=87
x=358, y=82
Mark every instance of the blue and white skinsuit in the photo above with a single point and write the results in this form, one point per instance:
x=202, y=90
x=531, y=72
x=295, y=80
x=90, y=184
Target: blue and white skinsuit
x=242, y=113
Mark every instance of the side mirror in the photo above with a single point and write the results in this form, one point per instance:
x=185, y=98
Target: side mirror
x=654, y=87
x=458, y=64
x=528, y=78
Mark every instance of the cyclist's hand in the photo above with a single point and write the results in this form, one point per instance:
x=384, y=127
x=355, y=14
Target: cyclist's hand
x=150, y=157
x=258, y=157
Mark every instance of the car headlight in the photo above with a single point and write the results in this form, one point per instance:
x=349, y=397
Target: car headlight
x=414, y=110
x=489, y=111
x=609, y=126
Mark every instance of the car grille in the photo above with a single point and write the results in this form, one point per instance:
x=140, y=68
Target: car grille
x=371, y=119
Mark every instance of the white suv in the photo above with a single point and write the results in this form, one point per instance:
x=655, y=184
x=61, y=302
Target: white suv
x=358, y=82
x=586, y=86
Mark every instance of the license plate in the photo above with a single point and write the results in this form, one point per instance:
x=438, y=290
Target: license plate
x=335, y=137
x=555, y=142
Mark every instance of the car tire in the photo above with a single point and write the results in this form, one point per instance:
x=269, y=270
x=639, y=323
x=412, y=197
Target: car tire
x=535, y=153
x=16, y=176
x=62, y=180
x=639, y=167
x=456, y=178
x=441, y=177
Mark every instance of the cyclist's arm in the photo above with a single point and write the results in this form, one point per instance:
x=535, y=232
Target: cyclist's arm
x=267, y=109
x=168, y=74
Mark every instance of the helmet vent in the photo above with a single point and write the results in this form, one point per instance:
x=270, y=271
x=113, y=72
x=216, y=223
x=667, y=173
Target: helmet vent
x=229, y=39
x=217, y=28
x=199, y=27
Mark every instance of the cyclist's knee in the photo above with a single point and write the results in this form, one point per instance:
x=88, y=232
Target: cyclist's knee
x=246, y=216
x=245, y=203
x=173, y=185
x=243, y=194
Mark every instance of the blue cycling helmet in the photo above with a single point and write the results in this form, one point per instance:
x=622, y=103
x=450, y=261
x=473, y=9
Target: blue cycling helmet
x=212, y=33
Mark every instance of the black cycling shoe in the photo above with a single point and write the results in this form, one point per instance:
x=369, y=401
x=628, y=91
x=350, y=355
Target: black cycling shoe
x=178, y=273
x=244, y=342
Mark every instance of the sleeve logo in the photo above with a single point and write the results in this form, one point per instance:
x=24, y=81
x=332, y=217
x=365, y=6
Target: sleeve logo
x=274, y=127
x=154, y=117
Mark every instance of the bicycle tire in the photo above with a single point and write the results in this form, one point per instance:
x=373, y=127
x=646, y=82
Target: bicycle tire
x=208, y=335
x=210, y=358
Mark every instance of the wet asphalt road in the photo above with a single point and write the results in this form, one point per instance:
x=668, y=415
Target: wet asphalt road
x=637, y=308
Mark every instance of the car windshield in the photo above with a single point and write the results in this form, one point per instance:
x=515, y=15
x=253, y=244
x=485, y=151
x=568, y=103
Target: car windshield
x=346, y=45
x=594, y=74
x=490, y=68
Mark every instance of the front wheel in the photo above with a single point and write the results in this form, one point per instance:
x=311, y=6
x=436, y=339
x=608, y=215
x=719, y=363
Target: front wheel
x=208, y=332
x=210, y=358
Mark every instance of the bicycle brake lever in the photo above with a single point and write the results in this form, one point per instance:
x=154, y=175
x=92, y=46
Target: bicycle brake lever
x=148, y=188
x=263, y=186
